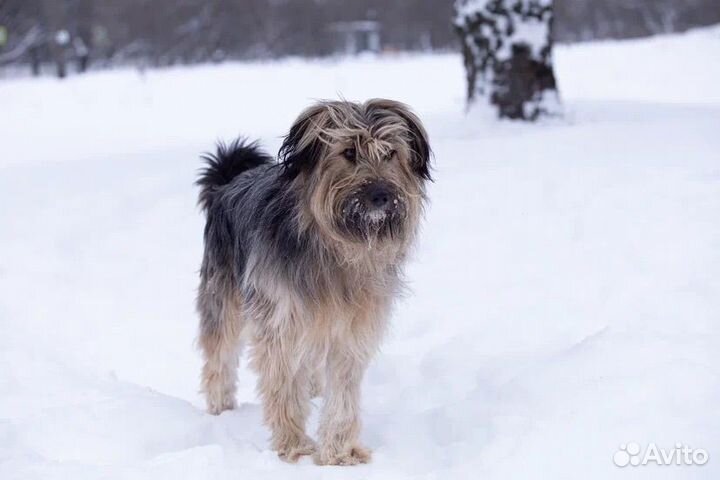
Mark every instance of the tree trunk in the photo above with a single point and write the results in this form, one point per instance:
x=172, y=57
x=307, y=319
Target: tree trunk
x=35, y=61
x=58, y=54
x=55, y=19
x=507, y=50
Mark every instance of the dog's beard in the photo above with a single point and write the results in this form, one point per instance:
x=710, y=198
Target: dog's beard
x=370, y=224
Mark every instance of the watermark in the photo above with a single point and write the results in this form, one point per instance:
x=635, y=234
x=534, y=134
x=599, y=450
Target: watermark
x=631, y=454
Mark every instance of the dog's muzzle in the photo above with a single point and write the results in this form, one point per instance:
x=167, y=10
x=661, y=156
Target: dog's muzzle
x=375, y=210
x=379, y=197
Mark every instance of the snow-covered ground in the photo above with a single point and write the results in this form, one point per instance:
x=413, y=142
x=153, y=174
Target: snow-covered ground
x=565, y=293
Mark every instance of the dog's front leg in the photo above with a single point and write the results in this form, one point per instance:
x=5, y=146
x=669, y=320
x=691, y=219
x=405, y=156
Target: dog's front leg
x=284, y=387
x=340, y=424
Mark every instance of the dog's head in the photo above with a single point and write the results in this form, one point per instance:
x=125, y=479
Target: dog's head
x=360, y=167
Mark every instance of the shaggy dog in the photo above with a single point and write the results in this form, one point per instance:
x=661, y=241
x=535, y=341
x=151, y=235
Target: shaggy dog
x=302, y=263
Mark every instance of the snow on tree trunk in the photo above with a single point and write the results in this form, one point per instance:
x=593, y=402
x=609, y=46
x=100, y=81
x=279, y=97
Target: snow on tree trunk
x=507, y=50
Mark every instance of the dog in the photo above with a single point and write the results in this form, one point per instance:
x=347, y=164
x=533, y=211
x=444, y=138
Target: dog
x=302, y=262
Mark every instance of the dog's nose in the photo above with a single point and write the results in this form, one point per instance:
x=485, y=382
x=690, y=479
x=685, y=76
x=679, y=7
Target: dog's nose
x=378, y=195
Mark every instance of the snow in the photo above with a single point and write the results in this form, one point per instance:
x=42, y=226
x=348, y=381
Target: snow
x=531, y=32
x=565, y=292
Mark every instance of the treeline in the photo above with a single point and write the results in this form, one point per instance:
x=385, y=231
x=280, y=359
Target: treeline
x=584, y=20
x=165, y=32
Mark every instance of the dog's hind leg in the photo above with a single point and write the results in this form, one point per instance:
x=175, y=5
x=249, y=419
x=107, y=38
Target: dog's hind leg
x=221, y=324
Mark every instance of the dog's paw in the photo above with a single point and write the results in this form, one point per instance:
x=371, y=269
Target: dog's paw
x=292, y=451
x=352, y=456
x=218, y=405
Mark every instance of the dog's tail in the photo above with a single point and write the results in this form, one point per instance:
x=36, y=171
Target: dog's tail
x=226, y=163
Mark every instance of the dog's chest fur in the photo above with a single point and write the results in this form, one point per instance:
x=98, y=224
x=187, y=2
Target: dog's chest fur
x=337, y=305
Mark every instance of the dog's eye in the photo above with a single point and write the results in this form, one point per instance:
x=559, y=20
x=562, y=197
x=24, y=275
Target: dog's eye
x=349, y=153
x=390, y=155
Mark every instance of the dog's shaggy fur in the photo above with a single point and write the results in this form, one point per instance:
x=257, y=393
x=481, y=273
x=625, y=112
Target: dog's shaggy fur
x=302, y=262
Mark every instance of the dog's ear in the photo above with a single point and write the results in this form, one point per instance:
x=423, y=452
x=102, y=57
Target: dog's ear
x=419, y=143
x=302, y=147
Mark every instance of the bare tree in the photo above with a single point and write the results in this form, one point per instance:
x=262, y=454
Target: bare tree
x=58, y=37
x=507, y=51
